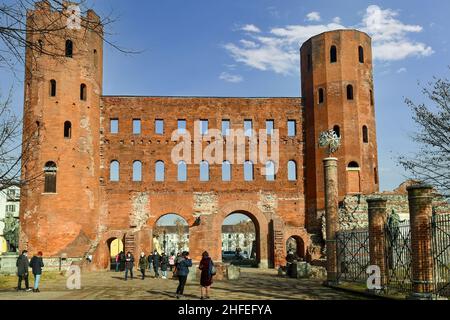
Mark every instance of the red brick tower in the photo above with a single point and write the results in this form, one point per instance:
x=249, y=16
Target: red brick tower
x=63, y=86
x=337, y=91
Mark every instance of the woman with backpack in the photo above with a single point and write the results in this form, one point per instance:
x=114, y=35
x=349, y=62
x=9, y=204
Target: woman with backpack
x=208, y=271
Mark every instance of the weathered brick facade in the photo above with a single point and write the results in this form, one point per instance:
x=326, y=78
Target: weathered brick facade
x=88, y=210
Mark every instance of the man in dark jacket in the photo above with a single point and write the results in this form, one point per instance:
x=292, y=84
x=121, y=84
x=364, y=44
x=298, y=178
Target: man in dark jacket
x=150, y=262
x=36, y=265
x=143, y=264
x=22, y=264
x=182, y=272
x=129, y=264
x=156, y=260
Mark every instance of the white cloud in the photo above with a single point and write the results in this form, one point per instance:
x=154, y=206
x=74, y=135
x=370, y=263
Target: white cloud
x=313, y=16
x=402, y=70
x=233, y=78
x=277, y=49
x=250, y=28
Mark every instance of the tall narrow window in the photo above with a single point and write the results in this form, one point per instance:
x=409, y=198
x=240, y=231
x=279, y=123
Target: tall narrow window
x=337, y=129
x=137, y=171
x=114, y=171
x=349, y=92
x=248, y=128
x=50, y=177
x=269, y=127
x=182, y=171
x=52, y=88
x=270, y=171
x=292, y=171
x=375, y=174
x=114, y=126
x=371, y=98
x=69, y=48
x=361, y=54
x=159, y=126
x=83, y=92
x=204, y=171
x=292, y=128
x=182, y=126
x=159, y=171
x=225, y=128
x=333, y=54
x=203, y=127
x=321, y=95
x=136, y=126
x=365, y=133
x=226, y=171
x=67, y=130
x=95, y=58
x=248, y=171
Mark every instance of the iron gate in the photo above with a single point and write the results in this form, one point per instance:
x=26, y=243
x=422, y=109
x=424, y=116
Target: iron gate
x=441, y=254
x=352, y=255
x=398, y=257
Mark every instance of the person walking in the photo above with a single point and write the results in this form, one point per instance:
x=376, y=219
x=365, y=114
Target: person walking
x=182, y=272
x=117, y=262
x=164, y=264
x=36, y=265
x=172, y=261
x=143, y=263
x=150, y=262
x=208, y=271
x=122, y=261
x=22, y=265
x=156, y=261
x=129, y=264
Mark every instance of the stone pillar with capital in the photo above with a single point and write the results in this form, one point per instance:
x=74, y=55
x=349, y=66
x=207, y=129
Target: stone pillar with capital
x=420, y=199
x=331, y=216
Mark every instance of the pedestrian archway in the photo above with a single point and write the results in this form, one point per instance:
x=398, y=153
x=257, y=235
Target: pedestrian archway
x=171, y=234
x=296, y=245
x=115, y=246
x=240, y=240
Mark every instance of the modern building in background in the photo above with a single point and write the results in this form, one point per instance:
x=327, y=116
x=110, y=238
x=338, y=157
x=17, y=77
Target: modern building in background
x=9, y=205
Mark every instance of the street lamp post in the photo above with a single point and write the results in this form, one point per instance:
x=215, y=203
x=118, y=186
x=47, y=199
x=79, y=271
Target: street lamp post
x=164, y=240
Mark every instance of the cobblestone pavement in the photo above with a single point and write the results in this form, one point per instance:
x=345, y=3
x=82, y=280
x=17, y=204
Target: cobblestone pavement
x=254, y=284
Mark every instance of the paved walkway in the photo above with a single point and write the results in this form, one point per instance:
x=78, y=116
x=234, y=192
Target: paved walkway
x=254, y=284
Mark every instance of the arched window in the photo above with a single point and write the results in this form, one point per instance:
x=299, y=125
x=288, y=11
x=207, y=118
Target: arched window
x=226, y=171
x=353, y=165
x=50, y=177
x=349, y=92
x=365, y=134
x=204, y=171
x=95, y=58
x=333, y=54
x=361, y=54
x=83, y=92
x=53, y=88
x=182, y=171
x=292, y=170
x=114, y=171
x=321, y=95
x=270, y=171
x=69, y=48
x=137, y=171
x=159, y=171
x=371, y=98
x=337, y=129
x=248, y=171
x=67, y=130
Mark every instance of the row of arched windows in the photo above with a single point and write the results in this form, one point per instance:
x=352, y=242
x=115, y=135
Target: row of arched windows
x=334, y=54
x=83, y=90
x=270, y=174
x=365, y=133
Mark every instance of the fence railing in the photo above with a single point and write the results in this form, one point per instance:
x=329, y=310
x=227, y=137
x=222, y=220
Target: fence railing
x=352, y=255
x=441, y=254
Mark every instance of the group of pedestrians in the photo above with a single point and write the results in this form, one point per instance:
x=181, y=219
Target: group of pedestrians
x=23, y=264
x=178, y=264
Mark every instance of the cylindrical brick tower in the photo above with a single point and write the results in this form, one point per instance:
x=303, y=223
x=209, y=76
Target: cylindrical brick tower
x=63, y=87
x=337, y=93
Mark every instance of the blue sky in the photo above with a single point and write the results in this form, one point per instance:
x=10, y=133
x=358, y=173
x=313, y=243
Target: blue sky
x=248, y=48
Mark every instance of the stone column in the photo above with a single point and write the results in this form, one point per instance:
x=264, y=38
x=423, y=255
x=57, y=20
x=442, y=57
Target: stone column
x=377, y=239
x=420, y=210
x=331, y=216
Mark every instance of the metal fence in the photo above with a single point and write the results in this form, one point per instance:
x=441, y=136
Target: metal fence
x=352, y=255
x=441, y=254
x=398, y=257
